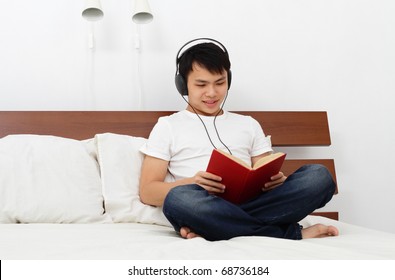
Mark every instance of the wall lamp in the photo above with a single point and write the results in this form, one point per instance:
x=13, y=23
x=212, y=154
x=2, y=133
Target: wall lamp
x=142, y=12
x=92, y=10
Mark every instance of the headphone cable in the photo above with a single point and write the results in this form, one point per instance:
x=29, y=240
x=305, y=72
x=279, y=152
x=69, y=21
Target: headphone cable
x=215, y=126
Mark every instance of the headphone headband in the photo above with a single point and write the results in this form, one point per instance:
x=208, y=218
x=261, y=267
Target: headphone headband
x=209, y=40
x=181, y=84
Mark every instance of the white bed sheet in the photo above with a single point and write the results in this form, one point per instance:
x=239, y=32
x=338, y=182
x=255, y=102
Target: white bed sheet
x=144, y=241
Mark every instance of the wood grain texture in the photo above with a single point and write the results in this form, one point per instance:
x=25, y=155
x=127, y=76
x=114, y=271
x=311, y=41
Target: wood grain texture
x=286, y=128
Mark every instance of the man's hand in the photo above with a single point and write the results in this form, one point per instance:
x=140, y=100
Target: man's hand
x=276, y=180
x=209, y=181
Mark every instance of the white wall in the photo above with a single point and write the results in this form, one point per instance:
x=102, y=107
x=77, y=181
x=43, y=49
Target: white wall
x=334, y=55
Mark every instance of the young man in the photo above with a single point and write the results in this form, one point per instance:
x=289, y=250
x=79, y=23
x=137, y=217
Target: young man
x=179, y=148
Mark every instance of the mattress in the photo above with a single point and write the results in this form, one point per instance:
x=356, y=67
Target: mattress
x=136, y=241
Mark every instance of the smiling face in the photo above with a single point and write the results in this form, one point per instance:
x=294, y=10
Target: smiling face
x=206, y=90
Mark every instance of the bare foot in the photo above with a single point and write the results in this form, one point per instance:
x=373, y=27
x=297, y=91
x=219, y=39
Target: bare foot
x=319, y=230
x=187, y=233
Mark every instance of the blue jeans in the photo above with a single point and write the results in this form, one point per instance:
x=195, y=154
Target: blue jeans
x=274, y=213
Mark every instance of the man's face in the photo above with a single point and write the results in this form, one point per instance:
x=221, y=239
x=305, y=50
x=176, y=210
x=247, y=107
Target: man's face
x=206, y=90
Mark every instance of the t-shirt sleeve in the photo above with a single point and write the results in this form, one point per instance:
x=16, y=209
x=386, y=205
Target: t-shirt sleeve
x=261, y=143
x=159, y=141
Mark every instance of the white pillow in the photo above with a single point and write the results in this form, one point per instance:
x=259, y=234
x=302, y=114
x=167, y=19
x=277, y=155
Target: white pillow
x=48, y=179
x=120, y=163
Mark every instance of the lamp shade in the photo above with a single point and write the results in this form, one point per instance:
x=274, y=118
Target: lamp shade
x=92, y=10
x=142, y=12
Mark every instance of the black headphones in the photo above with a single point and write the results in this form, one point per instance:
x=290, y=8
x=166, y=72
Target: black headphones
x=181, y=84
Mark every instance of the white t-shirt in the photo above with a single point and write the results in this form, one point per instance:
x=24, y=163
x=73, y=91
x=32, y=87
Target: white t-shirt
x=182, y=140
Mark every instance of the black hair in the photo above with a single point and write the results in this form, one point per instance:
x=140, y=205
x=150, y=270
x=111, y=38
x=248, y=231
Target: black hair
x=207, y=55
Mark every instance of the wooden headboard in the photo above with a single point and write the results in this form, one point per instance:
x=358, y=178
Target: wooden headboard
x=288, y=128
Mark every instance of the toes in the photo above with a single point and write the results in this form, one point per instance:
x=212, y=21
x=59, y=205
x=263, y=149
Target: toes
x=184, y=232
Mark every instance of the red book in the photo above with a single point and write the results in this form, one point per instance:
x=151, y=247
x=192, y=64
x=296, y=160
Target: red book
x=241, y=181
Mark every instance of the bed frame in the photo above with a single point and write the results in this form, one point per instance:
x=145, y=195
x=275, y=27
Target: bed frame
x=288, y=128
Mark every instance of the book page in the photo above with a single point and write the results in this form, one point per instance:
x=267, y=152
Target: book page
x=267, y=159
x=236, y=159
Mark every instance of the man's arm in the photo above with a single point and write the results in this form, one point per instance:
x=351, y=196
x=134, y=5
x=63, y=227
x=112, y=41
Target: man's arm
x=153, y=188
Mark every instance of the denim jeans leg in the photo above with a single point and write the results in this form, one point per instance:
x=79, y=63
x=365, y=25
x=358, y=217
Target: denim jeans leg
x=217, y=219
x=307, y=189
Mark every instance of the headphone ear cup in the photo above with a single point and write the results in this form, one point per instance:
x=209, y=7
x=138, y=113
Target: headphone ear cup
x=181, y=85
x=229, y=78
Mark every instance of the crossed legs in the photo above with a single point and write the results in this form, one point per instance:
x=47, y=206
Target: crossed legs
x=193, y=212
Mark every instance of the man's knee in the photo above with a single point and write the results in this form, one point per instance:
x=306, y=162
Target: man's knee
x=180, y=197
x=182, y=192
x=320, y=178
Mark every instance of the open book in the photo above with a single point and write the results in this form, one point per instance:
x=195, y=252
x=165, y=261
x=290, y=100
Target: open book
x=243, y=182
